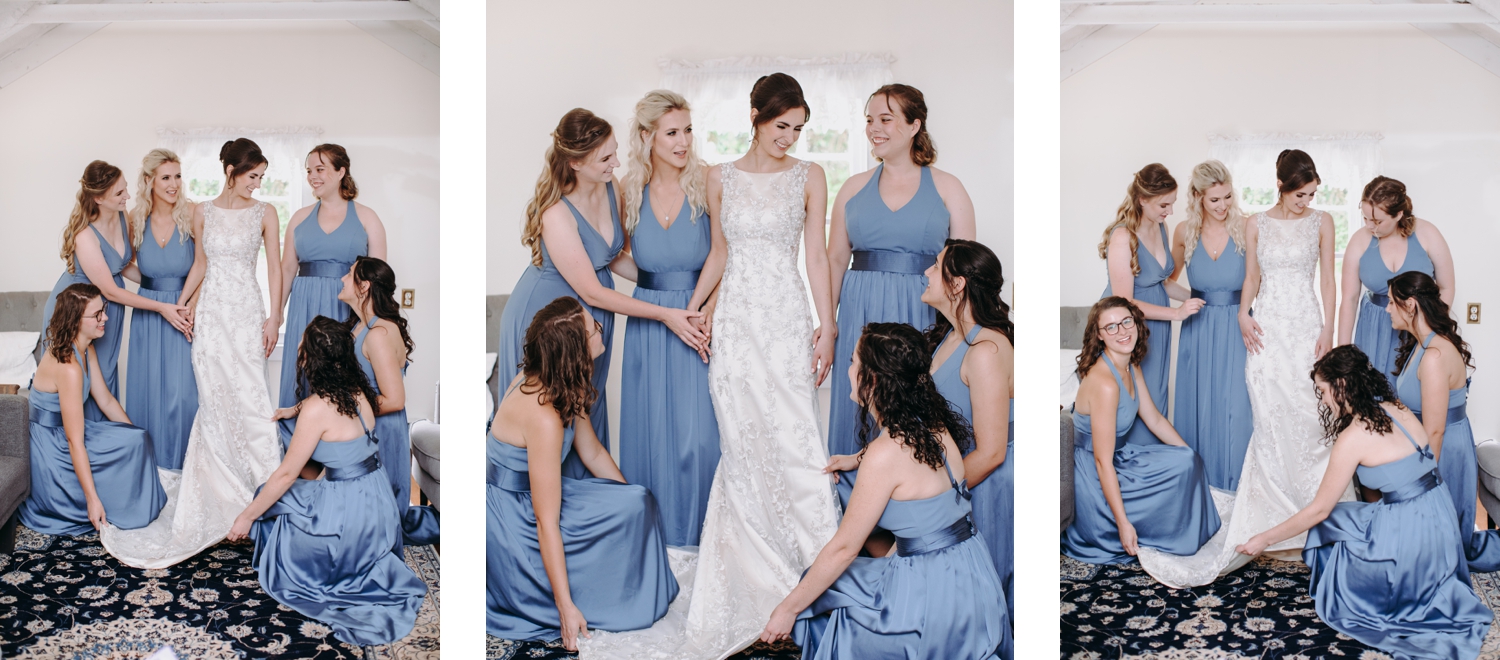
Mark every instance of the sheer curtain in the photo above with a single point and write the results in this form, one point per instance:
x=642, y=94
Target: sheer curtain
x=1346, y=160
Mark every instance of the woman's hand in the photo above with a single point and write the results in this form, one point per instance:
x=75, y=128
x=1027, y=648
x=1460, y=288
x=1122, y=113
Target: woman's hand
x=780, y=625
x=1189, y=307
x=1128, y=539
x=1325, y=342
x=241, y=529
x=284, y=413
x=178, y=316
x=841, y=463
x=1250, y=331
x=573, y=626
x=822, y=353
x=1253, y=547
x=269, y=333
x=96, y=513
x=684, y=324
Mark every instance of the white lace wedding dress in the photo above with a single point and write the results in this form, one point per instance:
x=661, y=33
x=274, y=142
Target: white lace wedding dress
x=232, y=448
x=771, y=509
x=1286, y=458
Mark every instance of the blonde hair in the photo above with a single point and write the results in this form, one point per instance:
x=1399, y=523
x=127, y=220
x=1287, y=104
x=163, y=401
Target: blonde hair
x=578, y=134
x=648, y=112
x=182, y=211
x=97, y=179
x=1208, y=174
x=1152, y=181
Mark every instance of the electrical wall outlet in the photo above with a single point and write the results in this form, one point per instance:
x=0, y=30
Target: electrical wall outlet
x=408, y=298
x=1473, y=314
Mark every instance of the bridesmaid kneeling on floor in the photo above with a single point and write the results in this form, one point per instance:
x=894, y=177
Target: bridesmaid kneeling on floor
x=938, y=595
x=1129, y=495
x=323, y=546
x=77, y=463
x=548, y=533
x=1391, y=574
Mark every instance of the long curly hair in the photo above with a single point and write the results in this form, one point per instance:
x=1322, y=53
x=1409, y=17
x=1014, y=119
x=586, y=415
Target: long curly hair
x=327, y=367
x=1152, y=181
x=67, y=317
x=980, y=268
x=913, y=106
x=555, y=359
x=97, y=179
x=382, y=296
x=1389, y=195
x=648, y=111
x=1208, y=174
x=577, y=135
x=145, y=199
x=894, y=385
x=1093, y=346
x=1420, y=287
x=1358, y=390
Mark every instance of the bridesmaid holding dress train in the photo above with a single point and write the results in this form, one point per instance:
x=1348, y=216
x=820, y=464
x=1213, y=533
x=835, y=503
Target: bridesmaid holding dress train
x=892, y=220
x=163, y=392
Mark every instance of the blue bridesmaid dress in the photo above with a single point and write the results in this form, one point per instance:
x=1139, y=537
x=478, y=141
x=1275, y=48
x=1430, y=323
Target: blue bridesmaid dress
x=994, y=498
x=419, y=524
x=108, y=346
x=669, y=437
x=1165, y=489
x=323, y=259
x=1213, y=401
x=892, y=250
x=120, y=458
x=612, y=536
x=1157, y=366
x=163, y=392
x=1373, y=333
x=539, y=286
x=938, y=597
x=1391, y=574
x=323, y=549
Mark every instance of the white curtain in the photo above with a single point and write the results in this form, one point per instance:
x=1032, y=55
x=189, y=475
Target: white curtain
x=284, y=149
x=1347, y=160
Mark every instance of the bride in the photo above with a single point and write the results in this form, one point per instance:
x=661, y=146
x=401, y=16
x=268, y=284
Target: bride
x=232, y=447
x=771, y=508
x=1285, y=246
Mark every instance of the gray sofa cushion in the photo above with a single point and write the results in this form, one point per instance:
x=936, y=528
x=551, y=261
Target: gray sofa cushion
x=425, y=450
x=21, y=311
x=1070, y=327
x=1065, y=476
x=15, y=454
x=494, y=306
x=1488, y=454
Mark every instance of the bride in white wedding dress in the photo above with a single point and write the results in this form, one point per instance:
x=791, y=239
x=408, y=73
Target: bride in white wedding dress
x=232, y=448
x=1285, y=246
x=771, y=508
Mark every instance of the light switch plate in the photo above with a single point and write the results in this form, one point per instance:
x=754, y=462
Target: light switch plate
x=408, y=298
x=1473, y=314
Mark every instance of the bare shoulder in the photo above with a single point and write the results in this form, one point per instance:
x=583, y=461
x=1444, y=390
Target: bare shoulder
x=945, y=181
x=365, y=213
x=558, y=215
x=859, y=180
x=990, y=343
x=299, y=216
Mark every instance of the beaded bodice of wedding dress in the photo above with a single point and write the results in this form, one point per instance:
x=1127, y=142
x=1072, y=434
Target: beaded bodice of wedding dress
x=232, y=448
x=770, y=509
x=1286, y=458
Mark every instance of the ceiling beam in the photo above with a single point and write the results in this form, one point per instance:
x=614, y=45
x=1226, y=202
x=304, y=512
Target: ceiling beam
x=404, y=41
x=345, y=10
x=49, y=44
x=1098, y=44
x=1277, y=13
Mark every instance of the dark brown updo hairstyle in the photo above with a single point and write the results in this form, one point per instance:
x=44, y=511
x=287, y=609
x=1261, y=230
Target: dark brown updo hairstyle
x=328, y=367
x=1356, y=385
x=773, y=96
x=67, y=316
x=337, y=158
x=895, y=385
x=980, y=269
x=1294, y=169
x=1093, y=346
x=1150, y=182
x=1420, y=287
x=909, y=101
x=578, y=134
x=555, y=359
x=97, y=179
x=239, y=156
x=382, y=295
x=1389, y=195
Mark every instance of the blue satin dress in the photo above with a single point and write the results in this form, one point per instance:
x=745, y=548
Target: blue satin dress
x=1165, y=489
x=994, y=498
x=884, y=284
x=108, y=346
x=612, y=537
x=1373, y=333
x=1157, y=366
x=120, y=458
x=162, y=390
x=323, y=259
x=540, y=286
x=669, y=436
x=1392, y=574
x=938, y=597
x=1213, y=401
x=323, y=549
x=419, y=524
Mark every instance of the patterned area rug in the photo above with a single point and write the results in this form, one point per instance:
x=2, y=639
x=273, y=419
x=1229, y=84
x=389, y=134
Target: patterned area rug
x=66, y=598
x=1260, y=611
x=500, y=649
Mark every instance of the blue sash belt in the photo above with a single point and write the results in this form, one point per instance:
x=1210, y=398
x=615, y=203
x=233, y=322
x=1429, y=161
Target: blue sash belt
x=1456, y=414
x=505, y=478
x=677, y=280
x=164, y=283
x=324, y=268
x=1414, y=489
x=46, y=417
x=1379, y=299
x=1218, y=298
x=910, y=263
x=961, y=530
x=370, y=464
x=1085, y=439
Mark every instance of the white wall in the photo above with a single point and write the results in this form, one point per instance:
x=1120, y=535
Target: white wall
x=106, y=97
x=957, y=52
x=1158, y=98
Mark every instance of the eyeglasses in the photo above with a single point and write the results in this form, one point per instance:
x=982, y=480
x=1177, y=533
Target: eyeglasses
x=98, y=316
x=1115, y=328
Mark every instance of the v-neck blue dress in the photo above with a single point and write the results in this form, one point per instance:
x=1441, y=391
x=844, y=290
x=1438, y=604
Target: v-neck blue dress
x=1157, y=366
x=1373, y=333
x=108, y=346
x=1213, y=400
x=162, y=392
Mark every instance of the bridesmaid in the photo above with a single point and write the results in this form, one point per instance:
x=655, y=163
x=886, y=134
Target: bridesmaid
x=1392, y=242
x=1213, y=401
x=1140, y=267
x=77, y=463
x=1129, y=495
x=548, y=532
x=99, y=257
x=934, y=597
x=322, y=545
x=319, y=247
x=669, y=437
x=163, y=390
x=1390, y=574
x=571, y=256
x=891, y=248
